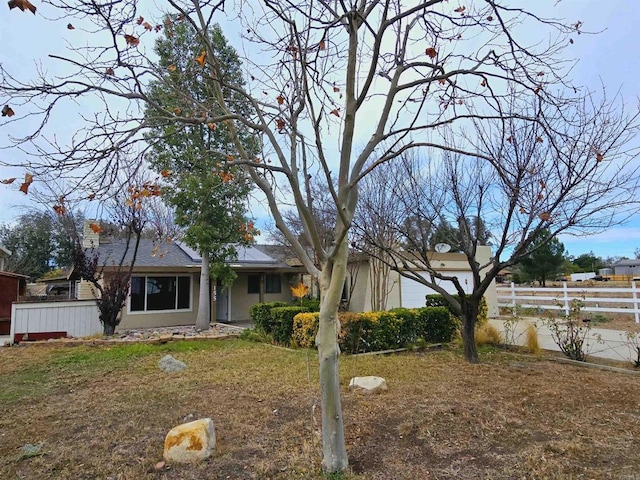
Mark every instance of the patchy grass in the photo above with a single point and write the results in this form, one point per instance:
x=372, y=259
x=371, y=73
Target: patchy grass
x=103, y=412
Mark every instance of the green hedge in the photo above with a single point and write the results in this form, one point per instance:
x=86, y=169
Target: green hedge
x=282, y=322
x=375, y=331
x=437, y=300
x=261, y=315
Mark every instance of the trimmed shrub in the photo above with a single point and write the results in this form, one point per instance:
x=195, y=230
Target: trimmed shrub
x=305, y=329
x=437, y=300
x=282, y=323
x=261, y=315
x=436, y=324
x=310, y=304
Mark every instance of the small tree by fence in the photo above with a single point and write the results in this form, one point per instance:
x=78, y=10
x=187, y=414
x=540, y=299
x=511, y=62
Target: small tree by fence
x=628, y=300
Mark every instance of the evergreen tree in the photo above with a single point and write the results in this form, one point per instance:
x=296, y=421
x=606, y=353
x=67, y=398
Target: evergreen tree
x=546, y=259
x=209, y=197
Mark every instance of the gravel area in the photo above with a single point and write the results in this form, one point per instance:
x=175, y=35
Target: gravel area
x=187, y=331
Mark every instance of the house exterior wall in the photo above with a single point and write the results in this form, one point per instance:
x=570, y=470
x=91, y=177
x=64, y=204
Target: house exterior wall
x=629, y=270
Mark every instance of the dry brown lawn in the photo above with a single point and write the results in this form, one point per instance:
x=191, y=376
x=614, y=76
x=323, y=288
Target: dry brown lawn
x=103, y=412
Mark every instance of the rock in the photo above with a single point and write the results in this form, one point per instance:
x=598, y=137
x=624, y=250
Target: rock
x=190, y=442
x=368, y=384
x=170, y=364
x=160, y=465
x=29, y=450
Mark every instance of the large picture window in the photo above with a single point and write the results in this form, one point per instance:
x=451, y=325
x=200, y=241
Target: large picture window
x=155, y=293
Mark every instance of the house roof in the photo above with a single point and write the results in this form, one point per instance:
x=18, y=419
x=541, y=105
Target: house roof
x=175, y=254
x=4, y=251
x=13, y=275
x=634, y=262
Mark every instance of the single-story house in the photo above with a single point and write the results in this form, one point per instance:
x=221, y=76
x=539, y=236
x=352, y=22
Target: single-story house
x=165, y=282
x=364, y=291
x=630, y=268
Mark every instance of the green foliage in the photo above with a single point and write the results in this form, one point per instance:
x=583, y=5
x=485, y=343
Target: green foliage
x=282, y=323
x=588, y=262
x=375, y=331
x=546, y=259
x=255, y=335
x=437, y=324
x=39, y=242
x=437, y=300
x=209, y=195
x=310, y=304
x=261, y=315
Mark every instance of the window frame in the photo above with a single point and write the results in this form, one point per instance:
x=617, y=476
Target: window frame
x=145, y=278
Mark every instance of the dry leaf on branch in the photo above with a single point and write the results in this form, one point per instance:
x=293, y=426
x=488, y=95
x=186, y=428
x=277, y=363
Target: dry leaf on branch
x=22, y=5
x=131, y=40
x=431, y=52
x=7, y=181
x=7, y=111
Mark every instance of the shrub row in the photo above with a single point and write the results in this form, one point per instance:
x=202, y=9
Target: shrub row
x=375, y=331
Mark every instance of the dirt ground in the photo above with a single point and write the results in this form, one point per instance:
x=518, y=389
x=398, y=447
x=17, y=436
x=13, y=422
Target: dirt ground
x=103, y=413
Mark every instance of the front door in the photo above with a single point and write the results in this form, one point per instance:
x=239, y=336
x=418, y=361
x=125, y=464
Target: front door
x=223, y=300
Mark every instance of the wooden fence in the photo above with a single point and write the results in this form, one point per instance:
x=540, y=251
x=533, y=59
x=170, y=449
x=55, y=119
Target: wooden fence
x=594, y=299
x=76, y=318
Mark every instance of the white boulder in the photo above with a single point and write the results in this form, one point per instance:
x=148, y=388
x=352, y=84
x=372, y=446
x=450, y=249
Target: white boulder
x=370, y=384
x=190, y=442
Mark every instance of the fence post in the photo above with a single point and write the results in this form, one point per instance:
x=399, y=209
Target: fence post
x=634, y=292
x=513, y=299
x=566, y=299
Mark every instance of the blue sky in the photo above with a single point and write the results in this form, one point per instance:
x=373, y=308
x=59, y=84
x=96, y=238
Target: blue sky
x=609, y=58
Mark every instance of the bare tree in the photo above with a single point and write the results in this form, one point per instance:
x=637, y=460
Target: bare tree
x=322, y=77
x=573, y=174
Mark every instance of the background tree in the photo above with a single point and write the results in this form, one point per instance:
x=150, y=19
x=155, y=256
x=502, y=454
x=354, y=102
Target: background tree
x=322, y=77
x=588, y=262
x=208, y=194
x=530, y=183
x=40, y=241
x=546, y=259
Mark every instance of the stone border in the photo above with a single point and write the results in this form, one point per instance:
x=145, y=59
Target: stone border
x=92, y=342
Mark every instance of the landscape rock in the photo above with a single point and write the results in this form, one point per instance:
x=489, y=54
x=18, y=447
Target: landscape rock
x=368, y=385
x=190, y=442
x=170, y=364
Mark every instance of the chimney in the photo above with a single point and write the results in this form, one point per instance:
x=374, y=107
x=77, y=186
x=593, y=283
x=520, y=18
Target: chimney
x=90, y=238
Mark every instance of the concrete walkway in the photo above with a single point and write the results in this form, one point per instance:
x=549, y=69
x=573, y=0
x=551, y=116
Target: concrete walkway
x=602, y=342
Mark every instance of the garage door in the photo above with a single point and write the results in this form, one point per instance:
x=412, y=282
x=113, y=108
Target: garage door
x=413, y=293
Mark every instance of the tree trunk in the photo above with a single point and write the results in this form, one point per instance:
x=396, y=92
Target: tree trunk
x=469, y=318
x=333, y=443
x=108, y=329
x=204, y=305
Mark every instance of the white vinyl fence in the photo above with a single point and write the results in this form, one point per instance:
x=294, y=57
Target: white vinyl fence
x=78, y=318
x=594, y=299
